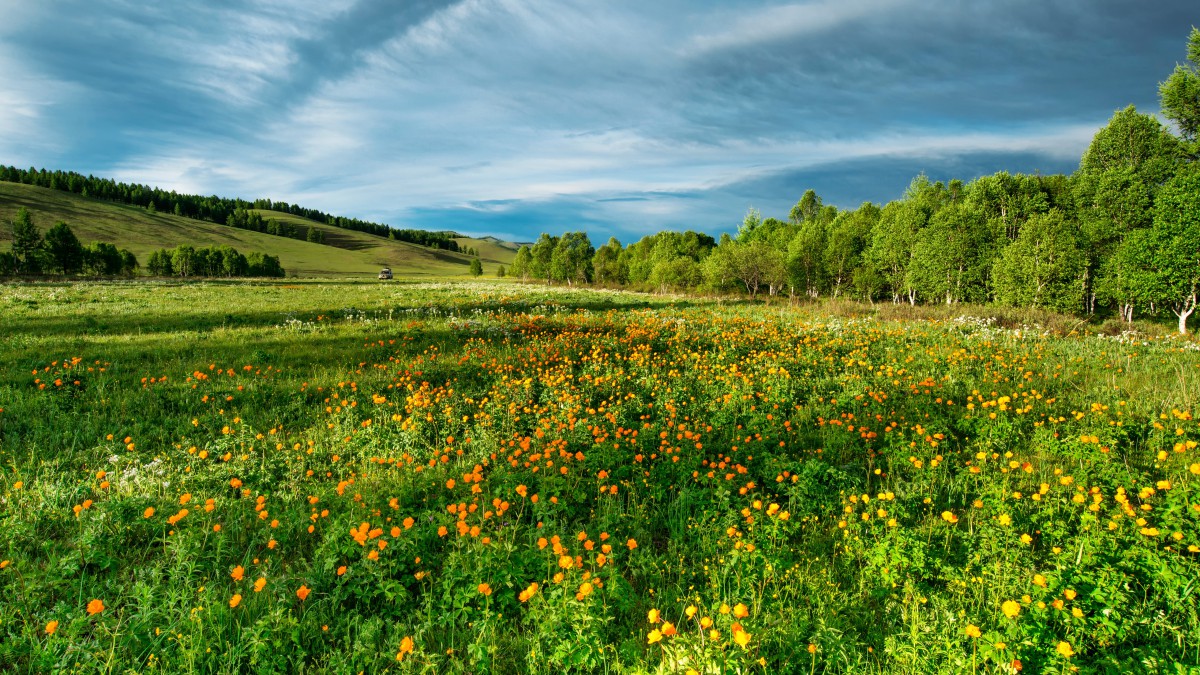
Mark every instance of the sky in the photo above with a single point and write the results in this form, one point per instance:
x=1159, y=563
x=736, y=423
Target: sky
x=618, y=117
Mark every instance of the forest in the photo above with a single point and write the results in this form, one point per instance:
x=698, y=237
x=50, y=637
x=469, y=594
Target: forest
x=1119, y=237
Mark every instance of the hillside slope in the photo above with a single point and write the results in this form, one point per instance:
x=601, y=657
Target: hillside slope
x=345, y=253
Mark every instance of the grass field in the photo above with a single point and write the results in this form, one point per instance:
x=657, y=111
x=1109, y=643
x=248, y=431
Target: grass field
x=337, y=477
x=346, y=253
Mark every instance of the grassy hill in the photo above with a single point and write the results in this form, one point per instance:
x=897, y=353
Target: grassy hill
x=345, y=253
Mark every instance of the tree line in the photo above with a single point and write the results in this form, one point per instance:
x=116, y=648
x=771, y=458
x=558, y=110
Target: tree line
x=1121, y=235
x=212, y=261
x=213, y=209
x=60, y=251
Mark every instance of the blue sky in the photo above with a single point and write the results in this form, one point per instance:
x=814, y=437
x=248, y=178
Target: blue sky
x=621, y=117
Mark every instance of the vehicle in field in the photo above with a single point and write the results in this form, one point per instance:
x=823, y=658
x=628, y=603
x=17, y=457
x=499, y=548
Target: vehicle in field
x=385, y=273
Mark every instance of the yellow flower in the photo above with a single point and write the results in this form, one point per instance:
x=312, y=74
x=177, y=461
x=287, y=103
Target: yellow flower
x=1039, y=580
x=741, y=637
x=740, y=611
x=654, y=636
x=1064, y=648
x=652, y=616
x=949, y=517
x=1026, y=539
x=1011, y=609
x=973, y=630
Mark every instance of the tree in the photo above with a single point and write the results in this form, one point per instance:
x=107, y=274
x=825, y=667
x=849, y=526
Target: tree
x=102, y=259
x=755, y=264
x=129, y=263
x=608, y=265
x=805, y=256
x=1174, y=240
x=543, y=253
x=953, y=257
x=1180, y=93
x=522, y=265
x=185, y=262
x=476, y=267
x=500, y=272
x=571, y=260
x=1043, y=268
x=849, y=235
x=63, y=249
x=26, y=243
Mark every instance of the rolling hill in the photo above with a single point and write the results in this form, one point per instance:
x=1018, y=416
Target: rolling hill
x=345, y=253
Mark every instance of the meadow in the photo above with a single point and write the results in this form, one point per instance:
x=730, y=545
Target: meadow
x=342, y=477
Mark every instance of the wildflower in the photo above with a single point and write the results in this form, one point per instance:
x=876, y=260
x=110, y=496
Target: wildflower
x=95, y=607
x=1039, y=580
x=235, y=600
x=1011, y=609
x=260, y=584
x=530, y=591
x=949, y=517
x=51, y=627
x=1069, y=594
x=585, y=589
x=149, y=512
x=406, y=647
x=238, y=573
x=302, y=593
x=972, y=631
x=341, y=570
x=653, y=616
x=1065, y=649
x=668, y=629
x=566, y=562
x=740, y=636
x=1026, y=539
x=654, y=636
x=484, y=589
x=740, y=611
x=632, y=544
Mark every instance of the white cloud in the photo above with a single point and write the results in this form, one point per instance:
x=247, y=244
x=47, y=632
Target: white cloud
x=743, y=28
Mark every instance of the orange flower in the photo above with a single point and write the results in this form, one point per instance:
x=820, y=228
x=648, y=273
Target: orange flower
x=235, y=600
x=95, y=607
x=484, y=589
x=632, y=544
x=341, y=570
x=51, y=627
x=740, y=611
x=566, y=562
x=585, y=589
x=302, y=593
x=949, y=517
x=406, y=647
x=529, y=592
x=668, y=629
x=260, y=584
x=149, y=512
x=238, y=573
x=741, y=637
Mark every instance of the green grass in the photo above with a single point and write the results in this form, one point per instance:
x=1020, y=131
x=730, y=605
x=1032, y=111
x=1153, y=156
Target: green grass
x=836, y=494
x=346, y=254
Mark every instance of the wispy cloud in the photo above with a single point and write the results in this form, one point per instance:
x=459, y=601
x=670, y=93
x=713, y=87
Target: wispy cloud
x=522, y=114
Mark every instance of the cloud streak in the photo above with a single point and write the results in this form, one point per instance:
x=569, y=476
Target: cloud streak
x=522, y=115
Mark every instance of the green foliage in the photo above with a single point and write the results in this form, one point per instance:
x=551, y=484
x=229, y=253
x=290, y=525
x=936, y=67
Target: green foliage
x=522, y=266
x=571, y=260
x=476, y=268
x=1174, y=241
x=26, y=243
x=63, y=249
x=1180, y=93
x=1042, y=268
